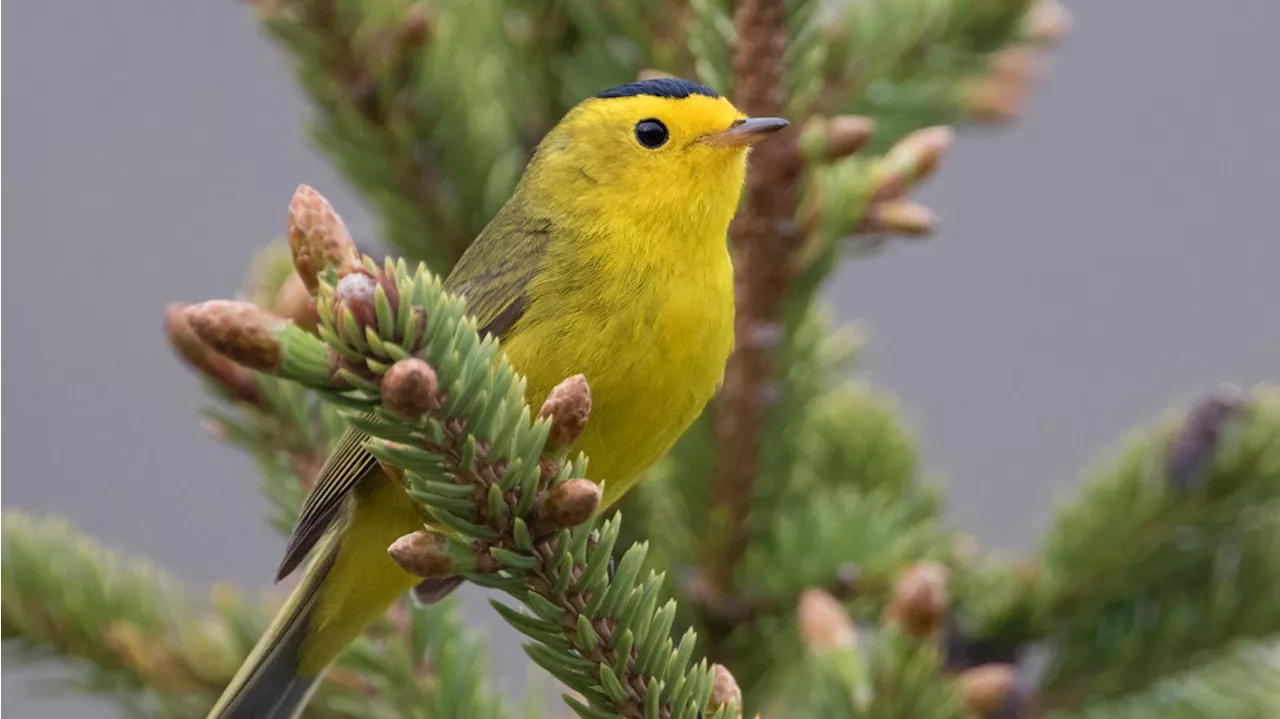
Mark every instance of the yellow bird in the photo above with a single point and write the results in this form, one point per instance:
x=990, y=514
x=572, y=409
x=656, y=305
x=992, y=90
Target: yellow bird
x=609, y=260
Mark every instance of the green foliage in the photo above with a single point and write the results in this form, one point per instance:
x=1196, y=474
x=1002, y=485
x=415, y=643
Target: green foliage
x=1238, y=683
x=121, y=627
x=1145, y=592
x=907, y=64
x=1195, y=561
x=125, y=631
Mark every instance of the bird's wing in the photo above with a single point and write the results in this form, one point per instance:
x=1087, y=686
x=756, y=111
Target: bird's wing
x=493, y=275
x=342, y=471
x=496, y=270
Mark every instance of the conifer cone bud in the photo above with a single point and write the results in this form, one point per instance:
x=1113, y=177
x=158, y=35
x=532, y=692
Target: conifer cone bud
x=318, y=238
x=569, y=503
x=423, y=554
x=824, y=624
x=833, y=138
x=1046, y=23
x=846, y=134
x=725, y=692
x=569, y=406
x=235, y=379
x=900, y=217
x=984, y=688
x=294, y=302
x=410, y=389
x=920, y=600
x=240, y=331
x=1020, y=64
x=993, y=99
x=356, y=293
x=921, y=151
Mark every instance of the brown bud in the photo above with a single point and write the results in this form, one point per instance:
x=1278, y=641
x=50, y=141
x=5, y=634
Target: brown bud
x=846, y=134
x=241, y=331
x=318, y=237
x=410, y=389
x=899, y=217
x=725, y=692
x=984, y=688
x=569, y=503
x=920, y=152
x=423, y=554
x=235, y=379
x=824, y=624
x=294, y=302
x=920, y=600
x=568, y=405
x=995, y=100
x=356, y=292
x=652, y=74
x=1019, y=63
x=185, y=342
x=1046, y=23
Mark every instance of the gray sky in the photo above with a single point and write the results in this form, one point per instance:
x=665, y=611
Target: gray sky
x=1114, y=252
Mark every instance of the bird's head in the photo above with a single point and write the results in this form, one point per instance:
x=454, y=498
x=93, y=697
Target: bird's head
x=666, y=147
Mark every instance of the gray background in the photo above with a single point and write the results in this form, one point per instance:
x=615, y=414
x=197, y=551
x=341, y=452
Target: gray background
x=1112, y=253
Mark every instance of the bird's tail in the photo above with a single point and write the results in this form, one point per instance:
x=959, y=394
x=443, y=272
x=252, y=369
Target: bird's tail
x=269, y=684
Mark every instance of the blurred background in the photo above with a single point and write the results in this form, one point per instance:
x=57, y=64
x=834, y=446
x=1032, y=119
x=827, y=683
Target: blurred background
x=1113, y=252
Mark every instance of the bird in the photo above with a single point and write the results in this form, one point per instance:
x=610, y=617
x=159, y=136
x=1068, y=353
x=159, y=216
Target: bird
x=610, y=260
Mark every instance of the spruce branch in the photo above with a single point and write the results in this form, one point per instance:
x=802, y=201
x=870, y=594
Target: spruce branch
x=814, y=197
x=123, y=629
x=911, y=65
x=762, y=237
x=1160, y=561
x=399, y=116
x=281, y=425
x=1242, y=682
x=781, y=236
x=507, y=508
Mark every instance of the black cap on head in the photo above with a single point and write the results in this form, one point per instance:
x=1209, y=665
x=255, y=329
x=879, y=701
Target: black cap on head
x=672, y=87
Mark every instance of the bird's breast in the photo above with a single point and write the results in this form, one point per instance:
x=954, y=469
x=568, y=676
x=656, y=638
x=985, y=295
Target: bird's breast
x=651, y=338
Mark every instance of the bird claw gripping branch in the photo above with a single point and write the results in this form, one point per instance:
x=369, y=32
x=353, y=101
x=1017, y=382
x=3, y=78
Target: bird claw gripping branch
x=506, y=506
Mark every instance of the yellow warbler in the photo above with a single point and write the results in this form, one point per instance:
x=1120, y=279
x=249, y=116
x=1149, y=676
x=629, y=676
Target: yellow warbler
x=608, y=261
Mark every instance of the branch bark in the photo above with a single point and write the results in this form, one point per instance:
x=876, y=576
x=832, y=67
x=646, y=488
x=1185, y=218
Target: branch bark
x=762, y=239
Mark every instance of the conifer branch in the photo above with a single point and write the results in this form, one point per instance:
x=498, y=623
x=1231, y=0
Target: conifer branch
x=1195, y=503
x=123, y=630
x=397, y=119
x=123, y=624
x=811, y=200
x=281, y=425
x=1243, y=682
x=445, y=412
x=762, y=238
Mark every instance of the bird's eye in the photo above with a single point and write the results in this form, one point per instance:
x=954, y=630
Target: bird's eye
x=651, y=133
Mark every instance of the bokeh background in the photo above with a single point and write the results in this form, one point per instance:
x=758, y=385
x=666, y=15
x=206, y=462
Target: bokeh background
x=1112, y=253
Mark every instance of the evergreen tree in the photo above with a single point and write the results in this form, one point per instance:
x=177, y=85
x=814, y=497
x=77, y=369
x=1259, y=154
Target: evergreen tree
x=787, y=558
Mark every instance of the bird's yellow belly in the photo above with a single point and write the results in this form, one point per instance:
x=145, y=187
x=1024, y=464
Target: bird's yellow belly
x=653, y=359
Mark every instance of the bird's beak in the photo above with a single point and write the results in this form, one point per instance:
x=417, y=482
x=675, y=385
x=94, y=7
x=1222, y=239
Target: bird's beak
x=747, y=132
